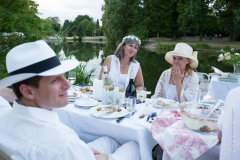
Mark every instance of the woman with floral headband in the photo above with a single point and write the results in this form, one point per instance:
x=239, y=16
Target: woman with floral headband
x=123, y=61
x=179, y=82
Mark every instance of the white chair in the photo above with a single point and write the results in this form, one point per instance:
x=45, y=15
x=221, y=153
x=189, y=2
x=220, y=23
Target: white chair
x=204, y=80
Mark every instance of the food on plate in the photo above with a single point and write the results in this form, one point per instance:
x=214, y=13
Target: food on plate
x=161, y=103
x=85, y=89
x=99, y=108
x=122, y=90
x=119, y=109
x=141, y=116
x=72, y=94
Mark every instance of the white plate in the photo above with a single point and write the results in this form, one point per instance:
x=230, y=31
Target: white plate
x=75, y=93
x=86, y=103
x=227, y=79
x=167, y=103
x=93, y=111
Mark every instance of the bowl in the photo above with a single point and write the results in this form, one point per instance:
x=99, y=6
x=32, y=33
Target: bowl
x=194, y=116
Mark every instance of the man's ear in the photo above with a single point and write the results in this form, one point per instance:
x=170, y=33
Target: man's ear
x=26, y=91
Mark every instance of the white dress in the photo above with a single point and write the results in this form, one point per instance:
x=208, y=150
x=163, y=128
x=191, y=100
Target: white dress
x=190, y=86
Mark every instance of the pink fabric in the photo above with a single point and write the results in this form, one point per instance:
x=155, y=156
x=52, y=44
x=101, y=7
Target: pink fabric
x=179, y=142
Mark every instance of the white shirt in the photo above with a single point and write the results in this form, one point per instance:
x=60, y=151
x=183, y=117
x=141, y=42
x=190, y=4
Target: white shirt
x=171, y=92
x=4, y=105
x=29, y=133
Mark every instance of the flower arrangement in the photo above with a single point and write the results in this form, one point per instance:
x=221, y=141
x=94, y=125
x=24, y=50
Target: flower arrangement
x=229, y=58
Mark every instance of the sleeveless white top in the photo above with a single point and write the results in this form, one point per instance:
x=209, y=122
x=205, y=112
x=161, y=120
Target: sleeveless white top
x=115, y=69
x=171, y=92
x=121, y=80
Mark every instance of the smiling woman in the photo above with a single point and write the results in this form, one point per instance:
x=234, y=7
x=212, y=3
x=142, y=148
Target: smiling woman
x=123, y=61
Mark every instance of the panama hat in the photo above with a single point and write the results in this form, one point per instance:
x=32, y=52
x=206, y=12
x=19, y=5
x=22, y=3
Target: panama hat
x=34, y=59
x=183, y=50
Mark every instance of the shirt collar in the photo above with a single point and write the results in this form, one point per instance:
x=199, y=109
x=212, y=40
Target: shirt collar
x=39, y=114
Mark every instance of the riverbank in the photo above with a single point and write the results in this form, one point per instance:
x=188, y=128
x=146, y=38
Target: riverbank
x=152, y=42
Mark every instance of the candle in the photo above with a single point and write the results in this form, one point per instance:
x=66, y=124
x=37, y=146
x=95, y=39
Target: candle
x=97, y=89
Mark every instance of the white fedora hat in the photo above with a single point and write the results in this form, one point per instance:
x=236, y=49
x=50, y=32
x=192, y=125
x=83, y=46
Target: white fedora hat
x=183, y=50
x=34, y=59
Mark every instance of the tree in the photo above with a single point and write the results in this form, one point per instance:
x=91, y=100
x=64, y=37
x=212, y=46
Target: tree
x=195, y=14
x=55, y=24
x=229, y=13
x=18, y=16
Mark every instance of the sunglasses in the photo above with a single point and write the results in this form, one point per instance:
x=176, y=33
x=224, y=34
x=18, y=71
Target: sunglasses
x=152, y=117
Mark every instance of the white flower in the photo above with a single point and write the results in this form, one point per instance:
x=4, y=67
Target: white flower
x=237, y=54
x=221, y=50
x=227, y=56
x=232, y=49
x=220, y=57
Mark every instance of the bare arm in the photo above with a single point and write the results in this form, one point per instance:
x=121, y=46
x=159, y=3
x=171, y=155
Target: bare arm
x=107, y=62
x=8, y=94
x=139, y=78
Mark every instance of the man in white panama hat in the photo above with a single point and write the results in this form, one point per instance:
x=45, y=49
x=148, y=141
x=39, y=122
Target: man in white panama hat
x=31, y=130
x=179, y=82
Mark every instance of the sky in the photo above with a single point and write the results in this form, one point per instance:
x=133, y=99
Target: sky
x=70, y=9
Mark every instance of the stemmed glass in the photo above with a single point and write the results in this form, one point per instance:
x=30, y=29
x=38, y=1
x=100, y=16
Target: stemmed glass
x=142, y=95
x=130, y=105
x=72, y=77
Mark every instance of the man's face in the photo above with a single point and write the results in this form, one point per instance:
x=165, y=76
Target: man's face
x=52, y=92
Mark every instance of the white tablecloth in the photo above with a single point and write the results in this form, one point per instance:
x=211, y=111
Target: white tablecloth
x=90, y=128
x=222, y=87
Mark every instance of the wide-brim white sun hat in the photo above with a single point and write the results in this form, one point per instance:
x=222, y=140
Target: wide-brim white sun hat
x=183, y=50
x=34, y=59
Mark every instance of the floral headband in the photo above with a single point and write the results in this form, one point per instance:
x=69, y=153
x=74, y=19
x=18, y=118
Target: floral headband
x=132, y=38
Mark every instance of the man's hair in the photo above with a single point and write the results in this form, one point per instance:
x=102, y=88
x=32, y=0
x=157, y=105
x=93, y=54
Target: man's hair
x=34, y=81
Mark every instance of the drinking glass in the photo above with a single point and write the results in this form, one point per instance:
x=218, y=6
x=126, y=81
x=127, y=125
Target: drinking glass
x=141, y=94
x=72, y=77
x=130, y=104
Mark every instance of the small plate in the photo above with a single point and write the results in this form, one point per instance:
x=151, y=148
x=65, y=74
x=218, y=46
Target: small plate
x=93, y=111
x=73, y=94
x=165, y=103
x=86, y=103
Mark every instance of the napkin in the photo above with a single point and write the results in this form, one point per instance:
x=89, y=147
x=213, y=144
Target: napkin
x=178, y=141
x=218, y=71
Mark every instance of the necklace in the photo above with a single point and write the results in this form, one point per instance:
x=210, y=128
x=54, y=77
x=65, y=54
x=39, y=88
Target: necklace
x=124, y=66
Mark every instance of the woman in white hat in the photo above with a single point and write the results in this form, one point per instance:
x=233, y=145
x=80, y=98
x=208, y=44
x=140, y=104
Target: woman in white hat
x=123, y=61
x=179, y=82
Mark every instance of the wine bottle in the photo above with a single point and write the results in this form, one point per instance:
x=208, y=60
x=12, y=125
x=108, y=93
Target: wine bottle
x=131, y=89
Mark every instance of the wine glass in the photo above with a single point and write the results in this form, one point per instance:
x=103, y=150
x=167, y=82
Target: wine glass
x=130, y=105
x=72, y=77
x=142, y=95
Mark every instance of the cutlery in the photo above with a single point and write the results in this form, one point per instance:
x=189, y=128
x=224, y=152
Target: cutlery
x=118, y=120
x=106, y=113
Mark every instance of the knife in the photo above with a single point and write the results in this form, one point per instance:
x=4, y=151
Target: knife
x=121, y=118
x=105, y=113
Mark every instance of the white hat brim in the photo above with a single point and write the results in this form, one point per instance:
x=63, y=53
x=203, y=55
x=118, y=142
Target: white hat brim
x=65, y=66
x=194, y=60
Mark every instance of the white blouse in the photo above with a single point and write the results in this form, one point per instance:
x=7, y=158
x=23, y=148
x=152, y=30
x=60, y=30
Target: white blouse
x=171, y=92
x=190, y=86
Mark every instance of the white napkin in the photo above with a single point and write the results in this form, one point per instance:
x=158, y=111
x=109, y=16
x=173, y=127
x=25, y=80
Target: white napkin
x=218, y=71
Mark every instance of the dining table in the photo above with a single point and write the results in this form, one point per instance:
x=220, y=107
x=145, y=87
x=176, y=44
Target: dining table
x=89, y=127
x=221, y=86
x=170, y=134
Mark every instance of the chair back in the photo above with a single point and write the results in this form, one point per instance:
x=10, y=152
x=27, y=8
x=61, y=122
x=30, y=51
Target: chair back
x=230, y=148
x=204, y=80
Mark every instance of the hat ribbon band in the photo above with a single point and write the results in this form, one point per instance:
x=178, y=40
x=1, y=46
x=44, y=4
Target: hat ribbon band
x=38, y=67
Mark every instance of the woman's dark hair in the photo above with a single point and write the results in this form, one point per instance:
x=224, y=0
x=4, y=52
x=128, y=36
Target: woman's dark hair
x=34, y=81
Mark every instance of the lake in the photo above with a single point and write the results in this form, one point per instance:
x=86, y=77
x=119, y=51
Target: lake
x=152, y=63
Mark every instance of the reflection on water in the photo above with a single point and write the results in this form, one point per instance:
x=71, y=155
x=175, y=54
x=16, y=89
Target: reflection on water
x=152, y=63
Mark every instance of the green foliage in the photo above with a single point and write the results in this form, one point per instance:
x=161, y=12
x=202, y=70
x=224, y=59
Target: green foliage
x=229, y=57
x=82, y=75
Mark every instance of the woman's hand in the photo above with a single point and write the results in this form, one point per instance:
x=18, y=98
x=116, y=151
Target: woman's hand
x=177, y=75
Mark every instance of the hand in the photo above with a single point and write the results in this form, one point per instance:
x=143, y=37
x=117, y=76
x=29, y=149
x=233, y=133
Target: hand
x=95, y=152
x=177, y=75
x=101, y=156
